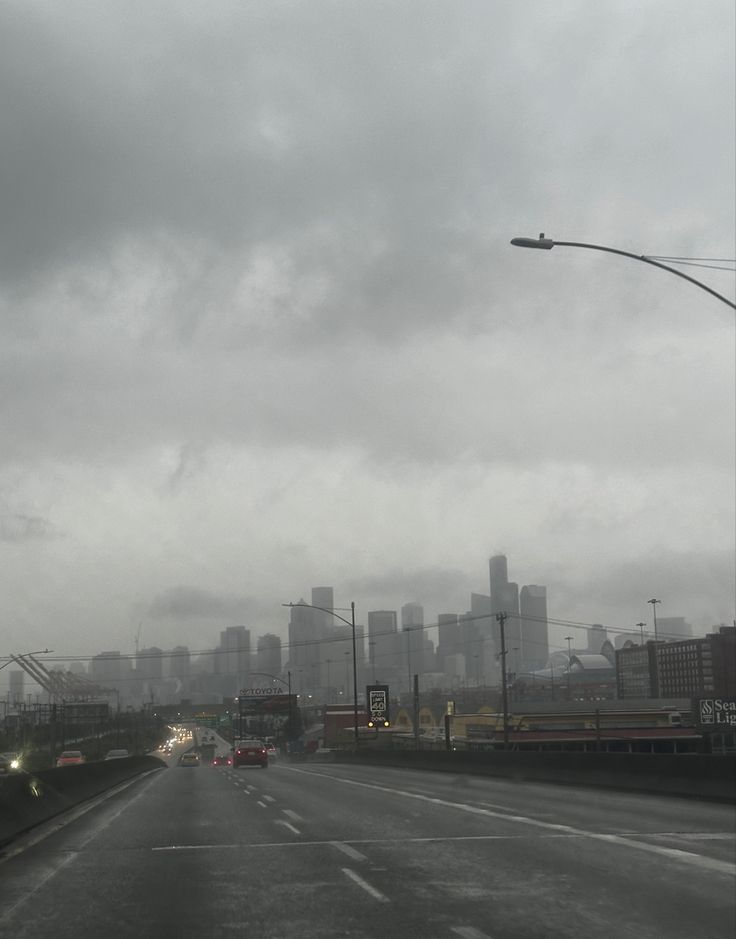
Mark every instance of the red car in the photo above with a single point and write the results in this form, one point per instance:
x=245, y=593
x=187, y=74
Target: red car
x=223, y=760
x=250, y=753
x=70, y=757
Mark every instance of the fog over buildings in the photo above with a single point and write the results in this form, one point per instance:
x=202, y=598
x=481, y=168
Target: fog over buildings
x=262, y=330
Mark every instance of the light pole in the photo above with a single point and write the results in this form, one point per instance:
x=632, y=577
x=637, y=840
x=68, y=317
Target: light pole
x=407, y=630
x=547, y=244
x=654, y=603
x=641, y=630
x=654, y=614
x=501, y=618
x=351, y=623
x=568, y=640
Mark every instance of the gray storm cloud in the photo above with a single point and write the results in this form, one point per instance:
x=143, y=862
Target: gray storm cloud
x=261, y=325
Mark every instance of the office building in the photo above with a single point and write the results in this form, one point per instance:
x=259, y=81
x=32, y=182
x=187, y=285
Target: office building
x=505, y=599
x=534, y=627
x=682, y=669
x=268, y=655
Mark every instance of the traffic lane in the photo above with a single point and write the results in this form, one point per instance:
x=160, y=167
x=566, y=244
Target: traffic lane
x=418, y=837
x=401, y=866
x=108, y=872
x=685, y=824
x=386, y=819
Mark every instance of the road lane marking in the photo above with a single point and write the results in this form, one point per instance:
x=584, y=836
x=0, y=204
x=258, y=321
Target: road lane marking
x=469, y=932
x=262, y=804
x=292, y=815
x=677, y=854
x=288, y=825
x=346, y=849
x=356, y=878
x=269, y=798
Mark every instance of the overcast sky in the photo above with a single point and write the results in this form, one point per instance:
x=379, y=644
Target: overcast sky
x=261, y=327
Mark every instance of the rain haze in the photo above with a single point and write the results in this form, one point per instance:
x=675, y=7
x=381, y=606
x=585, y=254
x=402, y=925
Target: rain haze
x=261, y=326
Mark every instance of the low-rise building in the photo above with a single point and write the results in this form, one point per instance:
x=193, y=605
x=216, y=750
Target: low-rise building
x=705, y=665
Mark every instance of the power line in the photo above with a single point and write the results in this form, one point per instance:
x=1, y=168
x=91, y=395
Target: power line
x=710, y=267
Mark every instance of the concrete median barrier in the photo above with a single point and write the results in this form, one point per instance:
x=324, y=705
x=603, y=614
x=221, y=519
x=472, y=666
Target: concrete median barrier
x=695, y=775
x=28, y=799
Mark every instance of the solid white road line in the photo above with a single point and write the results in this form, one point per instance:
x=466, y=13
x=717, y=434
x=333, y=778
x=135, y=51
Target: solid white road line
x=356, y=878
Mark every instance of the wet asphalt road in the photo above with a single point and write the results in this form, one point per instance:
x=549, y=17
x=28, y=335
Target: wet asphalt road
x=326, y=850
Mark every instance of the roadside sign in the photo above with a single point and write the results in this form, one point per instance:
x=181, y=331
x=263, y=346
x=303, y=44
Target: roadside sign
x=715, y=714
x=378, y=705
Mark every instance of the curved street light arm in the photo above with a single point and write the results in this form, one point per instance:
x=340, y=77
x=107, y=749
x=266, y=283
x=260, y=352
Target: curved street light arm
x=324, y=609
x=547, y=244
x=274, y=677
x=22, y=655
x=351, y=623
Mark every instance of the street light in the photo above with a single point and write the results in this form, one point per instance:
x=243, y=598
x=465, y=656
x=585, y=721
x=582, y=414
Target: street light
x=351, y=623
x=546, y=244
x=654, y=614
x=23, y=655
x=568, y=640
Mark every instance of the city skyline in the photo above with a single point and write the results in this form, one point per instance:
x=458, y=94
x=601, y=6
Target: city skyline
x=318, y=647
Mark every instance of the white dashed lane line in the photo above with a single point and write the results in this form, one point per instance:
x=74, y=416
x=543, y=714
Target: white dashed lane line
x=288, y=826
x=369, y=889
x=292, y=815
x=469, y=932
x=346, y=849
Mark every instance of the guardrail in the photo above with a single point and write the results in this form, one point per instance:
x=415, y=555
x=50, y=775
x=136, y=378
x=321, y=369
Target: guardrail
x=28, y=799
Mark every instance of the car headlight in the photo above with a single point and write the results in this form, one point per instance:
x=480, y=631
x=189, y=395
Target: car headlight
x=15, y=764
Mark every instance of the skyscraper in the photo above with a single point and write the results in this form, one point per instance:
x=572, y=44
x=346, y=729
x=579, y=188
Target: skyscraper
x=505, y=599
x=534, y=627
x=268, y=654
x=414, y=639
x=233, y=659
x=383, y=645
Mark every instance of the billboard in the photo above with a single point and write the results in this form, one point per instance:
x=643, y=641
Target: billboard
x=272, y=702
x=715, y=714
x=86, y=713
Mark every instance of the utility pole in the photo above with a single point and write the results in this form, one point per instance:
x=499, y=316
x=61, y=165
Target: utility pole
x=568, y=640
x=415, y=711
x=501, y=618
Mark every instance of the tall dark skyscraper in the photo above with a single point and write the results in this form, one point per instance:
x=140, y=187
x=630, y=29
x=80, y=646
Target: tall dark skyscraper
x=534, y=628
x=383, y=643
x=268, y=654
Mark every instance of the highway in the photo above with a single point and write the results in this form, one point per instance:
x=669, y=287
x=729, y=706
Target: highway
x=320, y=850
